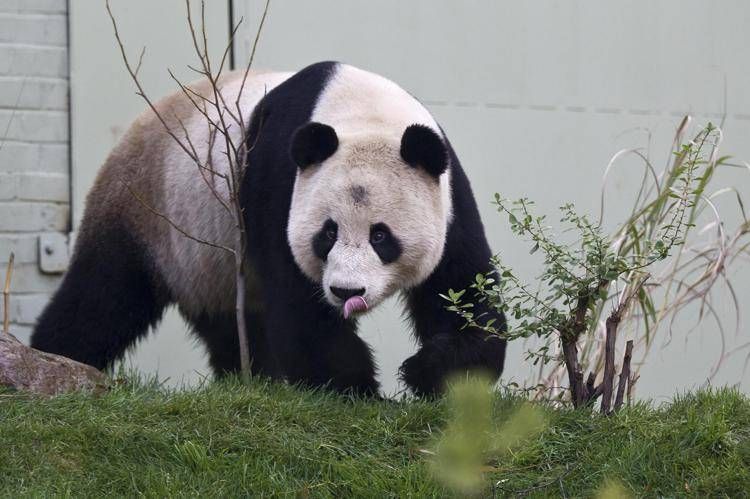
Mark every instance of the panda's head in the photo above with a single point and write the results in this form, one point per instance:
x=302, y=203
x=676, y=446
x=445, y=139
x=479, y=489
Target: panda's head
x=369, y=213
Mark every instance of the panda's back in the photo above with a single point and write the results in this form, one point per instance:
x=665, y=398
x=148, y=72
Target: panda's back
x=148, y=172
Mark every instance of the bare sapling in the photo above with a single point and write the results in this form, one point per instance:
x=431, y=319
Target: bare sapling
x=227, y=123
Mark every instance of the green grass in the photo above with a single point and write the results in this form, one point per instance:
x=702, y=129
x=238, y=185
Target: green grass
x=271, y=439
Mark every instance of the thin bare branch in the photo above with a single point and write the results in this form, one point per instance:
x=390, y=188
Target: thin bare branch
x=192, y=95
x=191, y=26
x=206, y=58
x=240, y=315
x=208, y=182
x=6, y=294
x=141, y=92
x=228, y=49
x=171, y=222
x=252, y=54
x=140, y=61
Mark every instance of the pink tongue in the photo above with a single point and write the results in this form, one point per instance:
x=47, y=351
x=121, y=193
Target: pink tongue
x=354, y=304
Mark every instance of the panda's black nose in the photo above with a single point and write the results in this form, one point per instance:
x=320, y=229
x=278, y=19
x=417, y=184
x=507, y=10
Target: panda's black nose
x=346, y=293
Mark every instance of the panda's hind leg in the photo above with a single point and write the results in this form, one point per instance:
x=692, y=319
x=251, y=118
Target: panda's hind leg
x=219, y=334
x=109, y=297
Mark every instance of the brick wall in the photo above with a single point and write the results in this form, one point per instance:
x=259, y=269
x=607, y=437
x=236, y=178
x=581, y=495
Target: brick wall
x=34, y=155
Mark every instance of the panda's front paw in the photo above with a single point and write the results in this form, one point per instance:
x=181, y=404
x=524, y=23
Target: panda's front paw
x=426, y=371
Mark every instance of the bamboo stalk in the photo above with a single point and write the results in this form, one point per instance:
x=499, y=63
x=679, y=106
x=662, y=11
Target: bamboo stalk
x=6, y=295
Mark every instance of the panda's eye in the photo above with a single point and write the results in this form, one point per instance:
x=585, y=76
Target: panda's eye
x=385, y=244
x=325, y=239
x=378, y=237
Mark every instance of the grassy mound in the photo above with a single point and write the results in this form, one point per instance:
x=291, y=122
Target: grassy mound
x=271, y=439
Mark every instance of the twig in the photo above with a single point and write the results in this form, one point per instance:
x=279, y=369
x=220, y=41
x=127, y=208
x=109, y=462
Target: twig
x=240, y=317
x=624, y=374
x=141, y=92
x=140, y=61
x=252, y=55
x=6, y=295
x=171, y=222
x=609, y=361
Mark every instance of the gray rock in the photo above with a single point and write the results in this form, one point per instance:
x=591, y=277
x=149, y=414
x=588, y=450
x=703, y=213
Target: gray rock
x=25, y=369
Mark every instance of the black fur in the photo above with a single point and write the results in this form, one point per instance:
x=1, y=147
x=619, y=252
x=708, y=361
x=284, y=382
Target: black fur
x=325, y=239
x=313, y=143
x=108, y=299
x=219, y=333
x=389, y=248
x=422, y=147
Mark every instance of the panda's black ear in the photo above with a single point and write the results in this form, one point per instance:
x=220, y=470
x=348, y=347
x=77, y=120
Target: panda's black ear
x=313, y=143
x=422, y=147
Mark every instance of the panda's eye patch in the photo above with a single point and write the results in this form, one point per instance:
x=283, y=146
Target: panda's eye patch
x=385, y=244
x=325, y=239
x=378, y=237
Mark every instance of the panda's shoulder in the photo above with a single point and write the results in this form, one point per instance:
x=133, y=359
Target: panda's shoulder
x=362, y=100
x=344, y=80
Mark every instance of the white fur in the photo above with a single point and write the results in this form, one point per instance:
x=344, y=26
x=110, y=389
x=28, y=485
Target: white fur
x=369, y=114
x=194, y=272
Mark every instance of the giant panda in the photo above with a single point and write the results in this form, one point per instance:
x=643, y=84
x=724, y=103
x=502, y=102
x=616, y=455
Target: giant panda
x=351, y=194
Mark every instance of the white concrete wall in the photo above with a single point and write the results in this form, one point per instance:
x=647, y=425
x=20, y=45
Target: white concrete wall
x=536, y=97
x=34, y=150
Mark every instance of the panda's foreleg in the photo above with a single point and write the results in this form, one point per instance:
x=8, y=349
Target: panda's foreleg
x=447, y=348
x=340, y=360
x=108, y=299
x=315, y=347
x=350, y=367
x=449, y=354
